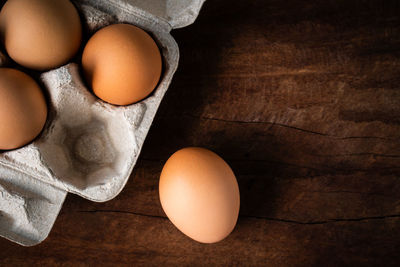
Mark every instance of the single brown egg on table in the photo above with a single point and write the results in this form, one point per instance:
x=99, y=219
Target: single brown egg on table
x=40, y=34
x=200, y=195
x=23, y=109
x=122, y=64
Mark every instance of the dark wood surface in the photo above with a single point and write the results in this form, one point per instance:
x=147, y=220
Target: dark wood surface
x=302, y=98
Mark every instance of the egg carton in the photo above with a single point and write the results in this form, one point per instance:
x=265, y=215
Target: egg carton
x=87, y=147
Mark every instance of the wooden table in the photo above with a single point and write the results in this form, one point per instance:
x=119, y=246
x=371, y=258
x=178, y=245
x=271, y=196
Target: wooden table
x=302, y=98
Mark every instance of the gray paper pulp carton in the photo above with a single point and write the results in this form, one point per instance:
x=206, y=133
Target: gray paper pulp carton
x=88, y=147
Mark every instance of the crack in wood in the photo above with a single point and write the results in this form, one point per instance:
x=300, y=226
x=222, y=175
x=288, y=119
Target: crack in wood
x=358, y=154
x=325, y=170
x=349, y=192
x=320, y=172
x=335, y=220
x=123, y=212
x=368, y=137
x=290, y=127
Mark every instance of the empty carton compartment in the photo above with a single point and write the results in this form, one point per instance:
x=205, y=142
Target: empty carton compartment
x=86, y=142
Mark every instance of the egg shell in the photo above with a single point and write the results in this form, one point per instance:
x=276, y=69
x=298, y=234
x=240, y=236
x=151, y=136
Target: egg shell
x=200, y=195
x=23, y=109
x=122, y=64
x=40, y=34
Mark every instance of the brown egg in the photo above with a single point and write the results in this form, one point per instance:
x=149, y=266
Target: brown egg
x=40, y=34
x=23, y=109
x=122, y=64
x=200, y=195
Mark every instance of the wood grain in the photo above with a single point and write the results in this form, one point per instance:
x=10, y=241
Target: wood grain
x=302, y=98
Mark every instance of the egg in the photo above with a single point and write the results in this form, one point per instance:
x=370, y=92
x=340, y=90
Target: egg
x=122, y=64
x=40, y=34
x=199, y=194
x=23, y=109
